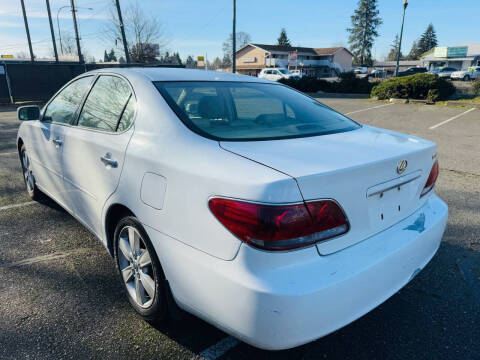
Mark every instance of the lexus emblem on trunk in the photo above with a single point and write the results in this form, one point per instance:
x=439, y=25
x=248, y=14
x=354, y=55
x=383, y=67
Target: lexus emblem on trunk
x=402, y=166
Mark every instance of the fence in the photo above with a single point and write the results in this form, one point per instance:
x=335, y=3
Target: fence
x=38, y=81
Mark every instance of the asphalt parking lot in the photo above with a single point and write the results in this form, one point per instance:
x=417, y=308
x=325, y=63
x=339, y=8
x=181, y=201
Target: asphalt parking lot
x=60, y=296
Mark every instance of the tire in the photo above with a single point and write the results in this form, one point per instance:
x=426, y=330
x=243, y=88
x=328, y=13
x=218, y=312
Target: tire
x=141, y=271
x=466, y=78
x=33, y=191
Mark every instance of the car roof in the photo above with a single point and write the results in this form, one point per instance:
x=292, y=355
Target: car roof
x=178, y=74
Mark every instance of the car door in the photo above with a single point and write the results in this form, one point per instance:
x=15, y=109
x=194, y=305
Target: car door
x=276, y=75
x=476, y=73
x=48, y=135
x=94, y=149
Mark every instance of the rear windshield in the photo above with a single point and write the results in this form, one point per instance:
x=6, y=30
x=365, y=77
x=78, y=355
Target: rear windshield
x=241, y=111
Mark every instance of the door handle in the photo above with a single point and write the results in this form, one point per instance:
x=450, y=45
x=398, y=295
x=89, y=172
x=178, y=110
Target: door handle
x=108, y=161
x=57, y=142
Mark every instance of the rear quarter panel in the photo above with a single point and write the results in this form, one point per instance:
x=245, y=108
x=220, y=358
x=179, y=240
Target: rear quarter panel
x=192, y=169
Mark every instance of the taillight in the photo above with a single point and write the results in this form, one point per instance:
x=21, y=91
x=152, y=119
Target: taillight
x=280, y=227
x=432, y=178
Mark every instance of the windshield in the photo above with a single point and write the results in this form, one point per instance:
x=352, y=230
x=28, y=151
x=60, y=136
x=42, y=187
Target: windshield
x=240, y=111
x=283, y=71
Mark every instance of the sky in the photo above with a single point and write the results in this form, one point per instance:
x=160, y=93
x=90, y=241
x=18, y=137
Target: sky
x=194, y=27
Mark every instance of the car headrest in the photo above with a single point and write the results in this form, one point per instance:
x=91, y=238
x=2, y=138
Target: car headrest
x=211, y=107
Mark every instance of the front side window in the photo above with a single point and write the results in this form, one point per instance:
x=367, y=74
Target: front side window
x=241, y=111
x=63, y=107
x=105, y=104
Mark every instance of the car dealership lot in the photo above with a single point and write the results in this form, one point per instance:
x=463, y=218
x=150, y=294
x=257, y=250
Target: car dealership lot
x=60, y=296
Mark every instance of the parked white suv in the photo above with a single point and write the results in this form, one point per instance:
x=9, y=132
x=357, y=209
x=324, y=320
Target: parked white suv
x=466, y=75
x=275, y=74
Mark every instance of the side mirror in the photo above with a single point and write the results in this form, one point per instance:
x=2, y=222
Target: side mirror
x=30, y=112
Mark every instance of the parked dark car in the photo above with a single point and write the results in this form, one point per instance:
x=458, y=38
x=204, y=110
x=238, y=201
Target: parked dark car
x=412, y=71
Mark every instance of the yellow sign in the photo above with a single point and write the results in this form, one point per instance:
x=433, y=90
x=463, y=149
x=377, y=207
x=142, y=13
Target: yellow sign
x=7, y=56
x=200, y=58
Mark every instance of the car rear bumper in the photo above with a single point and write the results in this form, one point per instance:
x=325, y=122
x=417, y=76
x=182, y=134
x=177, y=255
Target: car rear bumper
x=281, y=300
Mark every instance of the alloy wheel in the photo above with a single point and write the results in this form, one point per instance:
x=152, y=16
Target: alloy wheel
x=136, y=266
x=27, y=172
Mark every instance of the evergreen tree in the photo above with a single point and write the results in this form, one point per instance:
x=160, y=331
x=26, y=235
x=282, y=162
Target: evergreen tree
x=190, y=62
x=111, y=56
x=178, y=59
x=365, y=22
x=428, y=40
x=392, y=55
x=105, y=56
x=283, y=38
x=415, y=52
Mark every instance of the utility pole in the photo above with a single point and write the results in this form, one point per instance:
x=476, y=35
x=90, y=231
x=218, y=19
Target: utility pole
x=80, y=57
x=122, y=29
x=405, y=4
x=51, y=30
x=28, y=31
x=234, y=38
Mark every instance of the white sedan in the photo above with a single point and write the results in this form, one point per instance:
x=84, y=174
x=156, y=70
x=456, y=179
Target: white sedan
x=242, y=201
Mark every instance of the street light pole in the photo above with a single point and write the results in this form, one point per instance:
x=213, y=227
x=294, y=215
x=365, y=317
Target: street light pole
x=234, y=38
x=399, y=50
x=58, y=25
x=58, y=22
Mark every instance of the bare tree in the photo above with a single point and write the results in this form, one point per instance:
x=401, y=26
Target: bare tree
x=217, y=63
x=22, y=55
x=68, y=44
x=145, y=34
x=242, y=39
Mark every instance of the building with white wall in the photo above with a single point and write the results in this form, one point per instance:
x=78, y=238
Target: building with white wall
x=460, y=57
x=317, y=62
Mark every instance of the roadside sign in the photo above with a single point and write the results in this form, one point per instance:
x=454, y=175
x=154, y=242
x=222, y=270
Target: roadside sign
x=7, y=56
x=200, y=61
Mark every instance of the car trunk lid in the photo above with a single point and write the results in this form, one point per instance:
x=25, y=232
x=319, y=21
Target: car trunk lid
x=358, y=169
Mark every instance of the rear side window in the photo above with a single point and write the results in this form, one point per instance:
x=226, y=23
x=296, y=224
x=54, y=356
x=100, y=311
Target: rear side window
x=241, y=111
x=106, y=103
x=63, y=107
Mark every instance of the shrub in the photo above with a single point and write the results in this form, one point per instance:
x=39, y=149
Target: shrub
x=347, y=83
x=476, y=87
x=419, y=86
x=308, y=84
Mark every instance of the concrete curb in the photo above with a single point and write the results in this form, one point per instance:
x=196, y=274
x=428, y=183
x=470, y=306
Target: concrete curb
x=460, y=103
x=339, y=95
x=411, y=101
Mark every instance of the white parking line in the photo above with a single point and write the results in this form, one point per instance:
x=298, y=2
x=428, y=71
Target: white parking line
x=8, y=153
x=12, y=206
x=371, y=108
x=218, y=349
x=451, y=119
